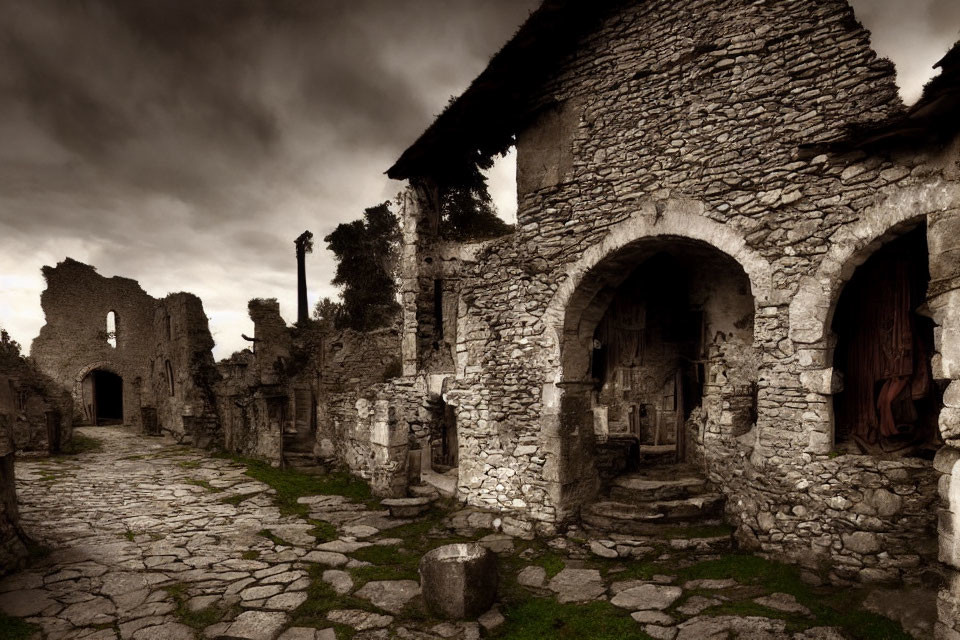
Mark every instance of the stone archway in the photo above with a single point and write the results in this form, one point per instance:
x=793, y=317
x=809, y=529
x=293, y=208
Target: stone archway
x=811, y=316
x=83, y=387
x=569, y=397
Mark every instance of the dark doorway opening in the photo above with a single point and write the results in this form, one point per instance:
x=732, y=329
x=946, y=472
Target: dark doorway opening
x=889, y=403
x=107, y=398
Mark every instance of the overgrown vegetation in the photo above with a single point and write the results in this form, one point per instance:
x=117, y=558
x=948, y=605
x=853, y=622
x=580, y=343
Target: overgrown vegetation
x=367, y=254
x=15, y=628
x=201, y=618
x=204, y=484
x=290, y=484
x=467, y=211
x=81, y=443
x=539, y=618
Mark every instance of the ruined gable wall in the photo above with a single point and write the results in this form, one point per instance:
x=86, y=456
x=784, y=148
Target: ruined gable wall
x=191, y=408
x=683, y=130
x=73, y=341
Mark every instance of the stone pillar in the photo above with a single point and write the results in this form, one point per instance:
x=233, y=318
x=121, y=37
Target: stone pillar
x=569, y=447
x=390, y=444
x=420, y=219
x=410, y=214
x=943, y=240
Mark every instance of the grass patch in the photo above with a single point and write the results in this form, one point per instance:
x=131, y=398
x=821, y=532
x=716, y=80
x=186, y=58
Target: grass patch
x=250, y=554
x=396, y=561
x=539, y=618
x=133, y=458
x=274, y=538
x=189, y=464
x=830, y=607
x=201, y=618
x=237, y=498
x=323, y=531
x=203, y=483
x=551, y=561
x=291, y=484
x=80, y=443
x=321, y=598
x=129, y=535
x=15, y=628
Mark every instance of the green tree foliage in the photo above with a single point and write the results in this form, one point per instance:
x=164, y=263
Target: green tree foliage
x=467, y=210
x=10, y=355
x=367, y=253
x=325, y=313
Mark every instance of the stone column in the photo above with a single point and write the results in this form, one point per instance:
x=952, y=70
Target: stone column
x=419, y=218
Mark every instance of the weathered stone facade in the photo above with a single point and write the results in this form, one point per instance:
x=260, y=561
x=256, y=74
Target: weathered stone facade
x=681, y=130
x=312, y=392
x=162, y=351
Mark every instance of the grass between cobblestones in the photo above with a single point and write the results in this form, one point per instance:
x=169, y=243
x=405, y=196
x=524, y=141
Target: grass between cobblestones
x=80, y=443
x=201, y=618
x=291, y=484
x=532, y=616
x=15, y=628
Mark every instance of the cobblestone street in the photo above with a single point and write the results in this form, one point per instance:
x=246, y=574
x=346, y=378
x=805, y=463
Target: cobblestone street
x=151, y=540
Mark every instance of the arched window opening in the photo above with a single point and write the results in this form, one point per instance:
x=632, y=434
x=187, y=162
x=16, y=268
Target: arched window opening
x=112, y=329
x=169, y=370
x=889, y=402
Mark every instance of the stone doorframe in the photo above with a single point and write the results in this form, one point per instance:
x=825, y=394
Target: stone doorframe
x=578, y=305
x=811, y=316
x=100, y=365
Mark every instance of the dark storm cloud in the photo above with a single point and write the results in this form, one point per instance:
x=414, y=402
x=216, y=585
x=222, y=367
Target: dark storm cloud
x=185, y=143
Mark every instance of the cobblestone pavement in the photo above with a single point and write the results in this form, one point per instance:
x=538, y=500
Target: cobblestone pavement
x=146, y=527
x=155, y=541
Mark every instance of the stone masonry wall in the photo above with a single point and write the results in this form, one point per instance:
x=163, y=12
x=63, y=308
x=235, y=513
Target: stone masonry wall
x=149, y=333
x=686, y=121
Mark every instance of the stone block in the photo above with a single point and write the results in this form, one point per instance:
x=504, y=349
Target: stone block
x=459, y=581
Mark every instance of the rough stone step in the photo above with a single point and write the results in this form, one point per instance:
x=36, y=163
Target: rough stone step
x=407, y=507
x=638, y=488
x=643, y=519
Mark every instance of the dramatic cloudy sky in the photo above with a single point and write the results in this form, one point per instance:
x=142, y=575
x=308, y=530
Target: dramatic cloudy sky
x=186, y=143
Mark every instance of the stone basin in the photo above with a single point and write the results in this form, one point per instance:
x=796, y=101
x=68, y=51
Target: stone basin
x=459, y=581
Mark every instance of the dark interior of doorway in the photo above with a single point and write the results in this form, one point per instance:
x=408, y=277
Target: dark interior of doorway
x=108, y=397
x=889, y=403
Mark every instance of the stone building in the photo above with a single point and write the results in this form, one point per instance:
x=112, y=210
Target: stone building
x=125, y=356
x=710, y=198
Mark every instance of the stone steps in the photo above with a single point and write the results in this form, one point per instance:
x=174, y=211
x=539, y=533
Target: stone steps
x=639, y=489
x=649, y=502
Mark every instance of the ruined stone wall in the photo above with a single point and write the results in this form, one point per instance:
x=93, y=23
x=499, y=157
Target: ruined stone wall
x=41, y=409
x=188, y=405
x=73, y=342
x=370, y=430
x=149, y=333
x=12, y=549
x=686, y=121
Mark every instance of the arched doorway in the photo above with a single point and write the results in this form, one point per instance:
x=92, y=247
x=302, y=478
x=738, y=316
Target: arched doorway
x=659, y=365
x=102, y=392
x=888, y=402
